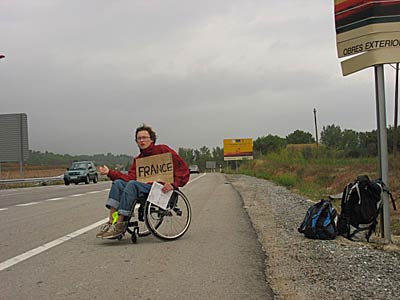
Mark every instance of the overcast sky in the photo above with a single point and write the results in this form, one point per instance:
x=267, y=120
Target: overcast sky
x=87, y=73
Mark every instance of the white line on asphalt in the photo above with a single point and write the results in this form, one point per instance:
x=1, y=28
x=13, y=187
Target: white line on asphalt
x=55, y=199
x=198, y=177
x=27, y=204
x=94, y=192
x=24, y=256
x=4, y=208
x=77, y=195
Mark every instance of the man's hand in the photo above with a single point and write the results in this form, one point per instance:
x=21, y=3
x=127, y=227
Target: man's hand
x=104, y=170
x=167, y=187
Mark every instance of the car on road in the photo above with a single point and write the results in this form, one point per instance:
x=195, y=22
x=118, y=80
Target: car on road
x=81, y=171
x=194, y=169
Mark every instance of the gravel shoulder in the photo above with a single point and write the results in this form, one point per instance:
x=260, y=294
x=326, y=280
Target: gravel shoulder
x=300, y=268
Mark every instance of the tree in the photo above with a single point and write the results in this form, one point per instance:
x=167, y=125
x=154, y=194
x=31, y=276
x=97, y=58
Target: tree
x=393, y=139
x=187, y=154
x=350, y=140
x=300, y=137
x=331, y=136
x=218, y=155
x=369, y=143
x=202, y=155
x=268, y=143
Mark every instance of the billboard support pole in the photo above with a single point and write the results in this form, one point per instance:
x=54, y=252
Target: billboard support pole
x=21, y=150
x=382, y=146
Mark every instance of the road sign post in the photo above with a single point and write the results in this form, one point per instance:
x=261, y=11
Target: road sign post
x=382, y=146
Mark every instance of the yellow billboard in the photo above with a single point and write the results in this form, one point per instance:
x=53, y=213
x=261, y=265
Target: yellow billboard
x=238, y=149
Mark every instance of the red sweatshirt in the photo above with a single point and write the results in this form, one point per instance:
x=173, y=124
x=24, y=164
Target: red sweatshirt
x=181, y=170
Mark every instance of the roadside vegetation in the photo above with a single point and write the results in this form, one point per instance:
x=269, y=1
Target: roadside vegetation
x=319, y=170
x=319, y=175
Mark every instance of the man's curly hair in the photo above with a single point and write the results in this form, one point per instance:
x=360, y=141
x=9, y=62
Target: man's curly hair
x=147, y=128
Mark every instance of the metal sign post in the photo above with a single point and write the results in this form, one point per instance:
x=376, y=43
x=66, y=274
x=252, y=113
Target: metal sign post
x=382, y=146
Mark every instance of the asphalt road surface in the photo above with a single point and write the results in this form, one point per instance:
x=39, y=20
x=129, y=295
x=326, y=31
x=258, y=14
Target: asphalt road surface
x=49, y=250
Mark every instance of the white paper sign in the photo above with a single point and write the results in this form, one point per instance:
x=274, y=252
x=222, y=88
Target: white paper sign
x=157, y=197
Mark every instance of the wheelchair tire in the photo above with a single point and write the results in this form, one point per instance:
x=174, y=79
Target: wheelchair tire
x=171, y=223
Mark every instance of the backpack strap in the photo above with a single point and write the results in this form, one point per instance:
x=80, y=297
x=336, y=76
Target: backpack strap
x=386, y=190
x=393, y=203
x=391, y=197
x=370, y=229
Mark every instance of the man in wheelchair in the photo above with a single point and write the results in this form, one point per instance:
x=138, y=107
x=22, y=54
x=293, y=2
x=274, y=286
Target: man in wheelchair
x=126, y=189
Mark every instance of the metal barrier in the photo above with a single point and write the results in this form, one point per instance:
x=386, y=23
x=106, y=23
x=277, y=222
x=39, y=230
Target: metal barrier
x=42, y=179
x=31, y=180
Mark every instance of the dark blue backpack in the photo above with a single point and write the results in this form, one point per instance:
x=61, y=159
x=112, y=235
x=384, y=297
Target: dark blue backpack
x=320, y=221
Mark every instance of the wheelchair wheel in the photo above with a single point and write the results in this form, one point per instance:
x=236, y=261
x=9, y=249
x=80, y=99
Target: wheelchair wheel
x=170, y=223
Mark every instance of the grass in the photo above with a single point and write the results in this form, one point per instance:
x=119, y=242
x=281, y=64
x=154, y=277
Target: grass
x=12, y=171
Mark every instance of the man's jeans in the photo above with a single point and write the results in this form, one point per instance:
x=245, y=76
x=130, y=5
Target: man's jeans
x=124, y=194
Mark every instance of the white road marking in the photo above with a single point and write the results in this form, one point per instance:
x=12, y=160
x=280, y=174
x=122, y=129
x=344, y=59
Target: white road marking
x=24, y=256
x=54, y=199
x=27, y=204
x=198, y=177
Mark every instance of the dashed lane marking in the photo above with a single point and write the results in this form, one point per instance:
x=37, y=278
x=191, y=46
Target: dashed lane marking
x=198, y=177
x=27, y=204
x=54, y=199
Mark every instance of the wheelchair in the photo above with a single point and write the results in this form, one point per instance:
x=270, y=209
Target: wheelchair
x=166, y=224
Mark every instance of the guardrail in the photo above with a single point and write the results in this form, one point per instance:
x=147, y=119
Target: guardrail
x=32, y=180
x=42, y=179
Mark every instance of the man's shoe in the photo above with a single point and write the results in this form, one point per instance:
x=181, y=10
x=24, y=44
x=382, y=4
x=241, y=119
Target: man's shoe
x=114, y=231
x=103, y=229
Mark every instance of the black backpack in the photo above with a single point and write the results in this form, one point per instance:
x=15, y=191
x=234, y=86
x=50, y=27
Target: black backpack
x=320, y=221
x=360, y=207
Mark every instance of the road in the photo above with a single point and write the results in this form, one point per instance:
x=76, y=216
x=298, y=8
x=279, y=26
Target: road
x=49, y=250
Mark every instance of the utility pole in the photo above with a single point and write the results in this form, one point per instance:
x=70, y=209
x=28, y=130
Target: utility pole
x=316, y=128
x=396, y=110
